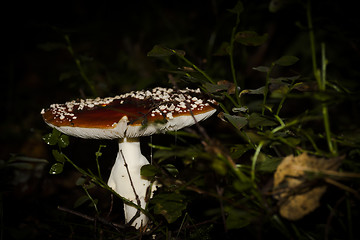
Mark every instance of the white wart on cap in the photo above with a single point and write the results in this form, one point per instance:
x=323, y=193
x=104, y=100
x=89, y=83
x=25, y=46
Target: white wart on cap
x=134, y=114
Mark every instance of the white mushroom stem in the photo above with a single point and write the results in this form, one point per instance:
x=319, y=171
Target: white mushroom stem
x=121, y=177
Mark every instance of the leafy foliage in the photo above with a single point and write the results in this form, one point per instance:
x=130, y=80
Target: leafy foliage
x=217, y=179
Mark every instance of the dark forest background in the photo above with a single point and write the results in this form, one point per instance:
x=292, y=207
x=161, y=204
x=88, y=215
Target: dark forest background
x=110, y=40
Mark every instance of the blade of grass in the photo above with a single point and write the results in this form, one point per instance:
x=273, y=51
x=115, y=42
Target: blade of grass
x=325, y=112
x=254, y=159
x=91, y=199
x=320, y=77
x=266, y=89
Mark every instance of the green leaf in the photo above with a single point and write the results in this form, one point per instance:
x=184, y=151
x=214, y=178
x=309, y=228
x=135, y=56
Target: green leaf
x=88, y=186
x=254, y=136
x=261, y=69
x=80, y=181
x=160, y=51
x=81, y=200
x=211, y=88
x=238, y=150
x=250, y=38
x=94, y=203
x=269, y=164
x=256, y=120
x=276, y=5
x=242, y=186
x=239, y=8
x=63, y=141
x=52, y=138
x=148, y=170
x=180, y=133
x=162, y=155
x=223, y=50
x=59, y=156
x=237, y=218
x=240, y=109
x=189, y=152
x=99, y=153
x=280, y=91
x=171, y=169
x=170, y=205
x=219, y=166
x=259, y=90
x=286, y=61
x=237, y=121
x=56, y=168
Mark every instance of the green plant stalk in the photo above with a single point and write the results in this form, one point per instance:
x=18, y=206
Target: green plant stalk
x=79, y=66
x=327, y=128
x=296, y=230
x=266, y=89
x=254, y=159
x=247, y=139
x=325, y=112
x=311, y=141
x=281, y=226
x=280, y=106
x=240, y=175
x=182, y=224
x=193, y=66
x=97, y=154
x=232, y=100
x=91, y=199
x=223, y=108
x=288, y=124
x=320, y=77
x=284, y=98
x=207, y=77
x=279, y=120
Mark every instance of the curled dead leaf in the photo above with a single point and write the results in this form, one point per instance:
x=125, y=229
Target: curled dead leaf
x=299, y=195
x=230, y=86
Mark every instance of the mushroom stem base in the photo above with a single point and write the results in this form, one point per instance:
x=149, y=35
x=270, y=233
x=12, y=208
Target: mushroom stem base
x=126, y=180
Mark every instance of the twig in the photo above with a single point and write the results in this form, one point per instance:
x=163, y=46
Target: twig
x=132, y=185
x=93, y=219
x=220, y=191
x=331, y=216
x=342, y=186
x=211, y=144
x=111, y=204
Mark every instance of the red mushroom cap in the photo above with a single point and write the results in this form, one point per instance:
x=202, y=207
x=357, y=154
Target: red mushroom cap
x=134, y=114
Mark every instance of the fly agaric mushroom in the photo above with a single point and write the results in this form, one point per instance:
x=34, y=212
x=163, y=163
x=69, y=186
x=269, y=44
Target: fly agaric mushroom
x=127, y=117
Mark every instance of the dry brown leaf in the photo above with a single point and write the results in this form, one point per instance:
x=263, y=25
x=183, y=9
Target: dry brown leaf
x=296, y=197
x=230, y=86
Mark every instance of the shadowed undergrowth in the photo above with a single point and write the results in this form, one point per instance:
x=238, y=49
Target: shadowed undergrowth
x=280, y=156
